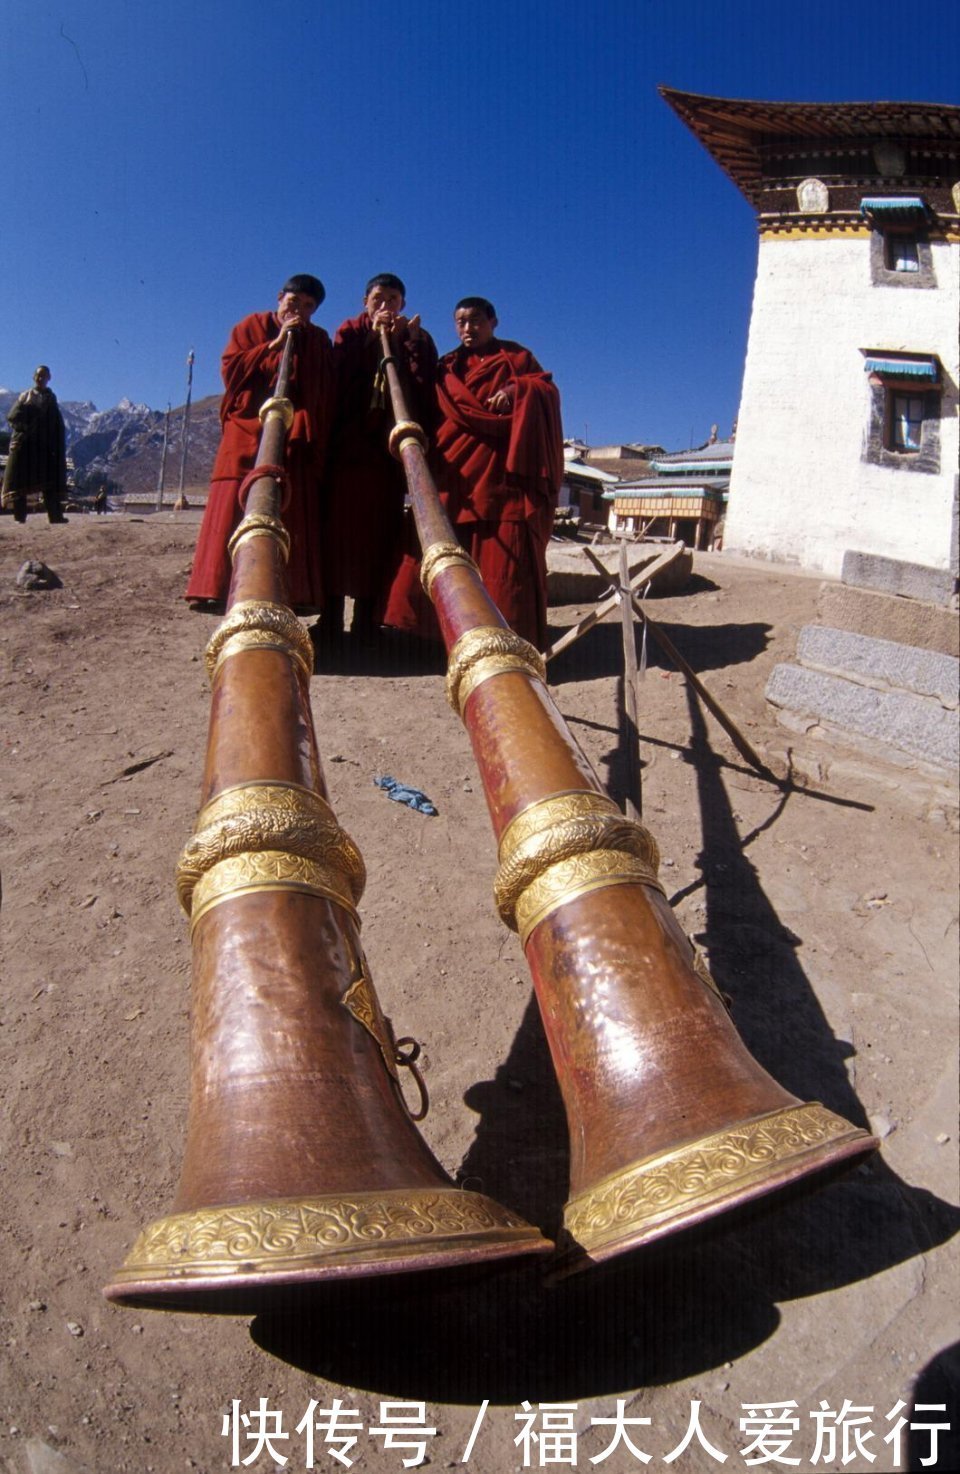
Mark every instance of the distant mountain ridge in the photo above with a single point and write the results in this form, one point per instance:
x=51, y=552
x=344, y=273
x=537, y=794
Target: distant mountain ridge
x=125, y=443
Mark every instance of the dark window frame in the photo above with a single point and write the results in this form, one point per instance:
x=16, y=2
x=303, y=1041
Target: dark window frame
x=879, y=447
x=883, y=239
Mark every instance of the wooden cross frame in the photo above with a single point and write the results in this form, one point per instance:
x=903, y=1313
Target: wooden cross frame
x=624, y=593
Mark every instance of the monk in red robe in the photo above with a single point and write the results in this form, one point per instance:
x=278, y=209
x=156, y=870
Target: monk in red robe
x=499, y=464
x=362, y=525
x=250, y=364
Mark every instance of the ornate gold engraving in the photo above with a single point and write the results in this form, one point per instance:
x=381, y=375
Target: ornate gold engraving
x=257, y=624
x=288, y=1234
x=277, y=408
x=560, y=828
x=488, y=651
x=260, y=524
x=567, y=880
x=269, y=870
x=440, y=556
x=285, y=817
x=688, y=1182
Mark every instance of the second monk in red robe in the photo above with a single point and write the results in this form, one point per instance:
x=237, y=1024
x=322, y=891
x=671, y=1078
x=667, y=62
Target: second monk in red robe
x=363, y=506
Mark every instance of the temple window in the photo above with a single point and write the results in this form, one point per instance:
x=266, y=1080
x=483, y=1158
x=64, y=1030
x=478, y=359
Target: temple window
x=904, y=406
x=900, y=254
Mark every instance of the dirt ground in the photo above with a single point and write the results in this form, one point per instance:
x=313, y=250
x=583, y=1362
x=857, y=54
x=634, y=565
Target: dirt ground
x=830, y=917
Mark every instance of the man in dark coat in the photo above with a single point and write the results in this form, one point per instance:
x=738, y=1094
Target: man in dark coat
x=38, y=453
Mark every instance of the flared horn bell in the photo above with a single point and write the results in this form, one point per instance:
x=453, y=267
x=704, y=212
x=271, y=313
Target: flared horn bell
x=302, y=1161
x=671, y=1119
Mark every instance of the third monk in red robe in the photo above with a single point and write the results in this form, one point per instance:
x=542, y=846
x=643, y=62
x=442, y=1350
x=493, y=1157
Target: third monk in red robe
x=250, y=364
x=499, y=460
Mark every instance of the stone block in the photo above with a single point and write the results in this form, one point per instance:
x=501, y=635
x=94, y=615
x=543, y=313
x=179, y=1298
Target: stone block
x=914, y=724
x=882, y=663
x=891, y=576
x=907, y=621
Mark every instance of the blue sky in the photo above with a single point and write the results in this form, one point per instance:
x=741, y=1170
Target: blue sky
x=165, y=167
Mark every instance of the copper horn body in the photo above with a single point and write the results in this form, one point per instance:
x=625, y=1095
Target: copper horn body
x=671, y=1119
x=302, y=1161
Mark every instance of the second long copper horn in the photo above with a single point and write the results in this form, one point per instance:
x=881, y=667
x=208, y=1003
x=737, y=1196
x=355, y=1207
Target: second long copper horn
x=671, y=1119
x=302, y=1162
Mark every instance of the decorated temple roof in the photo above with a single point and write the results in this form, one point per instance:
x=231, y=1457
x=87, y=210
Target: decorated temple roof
x=751, y=140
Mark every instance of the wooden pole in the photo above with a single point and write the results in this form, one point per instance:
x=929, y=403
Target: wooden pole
x=185, y=435
x=633, y=798
x=161, y=476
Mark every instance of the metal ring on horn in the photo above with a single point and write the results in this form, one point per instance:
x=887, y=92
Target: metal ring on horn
x=260, y=524
x=486, y=651
x=271, y=408
x=259, y=624
x=402, y=432
x=440, y=556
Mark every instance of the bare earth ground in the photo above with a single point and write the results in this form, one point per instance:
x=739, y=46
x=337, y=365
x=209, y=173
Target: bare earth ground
x=833, y=926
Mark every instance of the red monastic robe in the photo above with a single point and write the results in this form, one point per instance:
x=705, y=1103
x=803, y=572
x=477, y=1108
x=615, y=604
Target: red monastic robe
x=362, y=521
x=249, y=367
x=499, y=477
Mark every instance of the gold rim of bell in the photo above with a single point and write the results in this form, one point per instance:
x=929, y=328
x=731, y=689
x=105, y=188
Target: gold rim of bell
x=287, y=1235
x=694, y=1180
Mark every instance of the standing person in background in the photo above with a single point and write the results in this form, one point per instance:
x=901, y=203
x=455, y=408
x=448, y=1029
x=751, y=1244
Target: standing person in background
x=249, y=366
x=499, y=462
x=38, y=450
x=362, y=527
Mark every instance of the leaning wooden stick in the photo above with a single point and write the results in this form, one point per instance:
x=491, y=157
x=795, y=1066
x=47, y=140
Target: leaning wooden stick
x=671, y=1120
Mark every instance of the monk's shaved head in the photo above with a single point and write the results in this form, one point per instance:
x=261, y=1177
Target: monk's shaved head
x=481, y=304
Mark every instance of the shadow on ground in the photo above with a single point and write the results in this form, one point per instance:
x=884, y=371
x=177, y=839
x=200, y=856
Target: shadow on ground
x=599, y=654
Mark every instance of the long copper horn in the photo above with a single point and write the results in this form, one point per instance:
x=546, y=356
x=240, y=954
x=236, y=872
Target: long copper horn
x=671, y=1120
x=302, y=1161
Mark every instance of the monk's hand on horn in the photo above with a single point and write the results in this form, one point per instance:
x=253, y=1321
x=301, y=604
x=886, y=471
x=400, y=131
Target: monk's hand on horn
x=384, y=318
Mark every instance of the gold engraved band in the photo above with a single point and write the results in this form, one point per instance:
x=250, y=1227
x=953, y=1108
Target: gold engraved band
x=282, y=818
x=488, y=651
x=440, y=556
x=696, y=1179
x=405, y=432
x=260, y=524
x=277, y=409
x=563, y=846
x=569, y=879
x=290, y=1235
x=254, y=624
x=269, y=870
